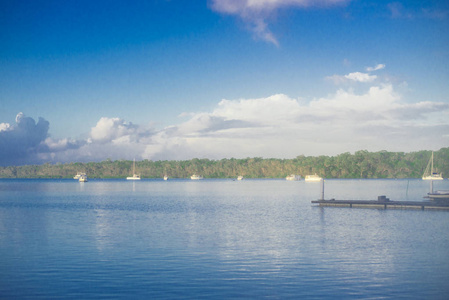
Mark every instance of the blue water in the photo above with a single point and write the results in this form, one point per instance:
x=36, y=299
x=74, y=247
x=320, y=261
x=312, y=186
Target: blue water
x=183, y=239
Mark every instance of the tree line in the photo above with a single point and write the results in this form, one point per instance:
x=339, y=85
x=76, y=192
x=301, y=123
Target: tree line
x=361, y=164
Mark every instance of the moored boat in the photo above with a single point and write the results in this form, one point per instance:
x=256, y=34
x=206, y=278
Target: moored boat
x=442, y=195
x=429, y=173
x=293, y=177
x=240, y=177
x=82, y=178
x=135, y=176
x=78, y=175
x=196, y=177
x=313, y=178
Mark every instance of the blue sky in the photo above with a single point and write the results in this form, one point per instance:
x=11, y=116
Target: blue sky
x=220, y=78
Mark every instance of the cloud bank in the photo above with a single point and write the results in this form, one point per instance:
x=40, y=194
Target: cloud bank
x=375, y=118
x=256, y=13
x=22, y=142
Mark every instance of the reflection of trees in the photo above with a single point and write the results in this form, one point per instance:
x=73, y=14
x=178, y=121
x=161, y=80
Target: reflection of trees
x=361, y=164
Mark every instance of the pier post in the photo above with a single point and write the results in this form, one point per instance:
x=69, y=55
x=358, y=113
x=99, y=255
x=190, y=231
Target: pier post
x=322, y=189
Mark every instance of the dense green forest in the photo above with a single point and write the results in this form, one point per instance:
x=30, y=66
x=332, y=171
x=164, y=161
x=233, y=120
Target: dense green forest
x=361, y=164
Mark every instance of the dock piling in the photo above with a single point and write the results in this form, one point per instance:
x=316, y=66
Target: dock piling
x=322, y=189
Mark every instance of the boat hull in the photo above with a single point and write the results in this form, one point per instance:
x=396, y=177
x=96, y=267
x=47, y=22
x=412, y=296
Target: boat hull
x=439, y=196
x=433, y=177
x=312, y=178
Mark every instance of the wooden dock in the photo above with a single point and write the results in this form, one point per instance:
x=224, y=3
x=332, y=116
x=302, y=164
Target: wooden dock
x=437, y=201
x=385, y=203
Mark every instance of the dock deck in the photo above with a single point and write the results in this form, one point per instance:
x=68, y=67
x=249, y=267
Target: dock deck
x=385, y=204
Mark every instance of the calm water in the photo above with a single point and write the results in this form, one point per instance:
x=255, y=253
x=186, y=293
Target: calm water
x=218, y=239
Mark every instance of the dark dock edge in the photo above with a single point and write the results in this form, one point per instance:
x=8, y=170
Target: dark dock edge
x=387, y=204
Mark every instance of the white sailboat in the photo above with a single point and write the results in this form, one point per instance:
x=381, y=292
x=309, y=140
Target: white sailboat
x=429, y=174
x=135, y=176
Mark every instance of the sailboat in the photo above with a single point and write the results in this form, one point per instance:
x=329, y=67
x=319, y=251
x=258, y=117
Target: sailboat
x=135, y=176
x=429, y=174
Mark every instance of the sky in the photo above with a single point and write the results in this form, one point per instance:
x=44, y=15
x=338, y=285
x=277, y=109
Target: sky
x=85, y=81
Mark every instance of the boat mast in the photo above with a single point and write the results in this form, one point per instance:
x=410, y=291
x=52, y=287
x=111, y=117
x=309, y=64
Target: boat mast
x=134, y=166
x=431, y=168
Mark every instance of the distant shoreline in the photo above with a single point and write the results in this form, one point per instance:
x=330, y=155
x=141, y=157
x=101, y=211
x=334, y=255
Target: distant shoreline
x=360, y=165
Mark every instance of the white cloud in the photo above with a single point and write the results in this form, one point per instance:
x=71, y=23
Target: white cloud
x=114, y=137
x=275, y=109
x=356, y=76
x=378, y=67
x=361, y=77
x=378, y=99
x=257, y=12
x=376, y=118
x=352, y=77
x=109, y=129
x=239, y=6
x=21, y=143
x=62, y=144
x=5, y=127
x=280, y=126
